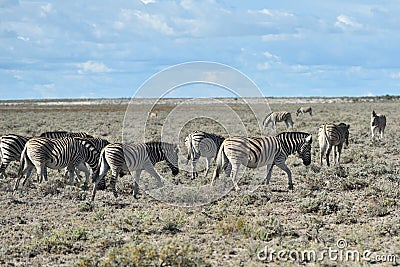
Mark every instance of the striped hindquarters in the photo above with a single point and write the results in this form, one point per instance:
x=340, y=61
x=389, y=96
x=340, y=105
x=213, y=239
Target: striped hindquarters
x=333, y=134
x=205, y=144
x=11, y=146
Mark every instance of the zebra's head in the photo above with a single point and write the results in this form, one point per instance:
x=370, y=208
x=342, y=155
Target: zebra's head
x=304, y=150
x=171, y=157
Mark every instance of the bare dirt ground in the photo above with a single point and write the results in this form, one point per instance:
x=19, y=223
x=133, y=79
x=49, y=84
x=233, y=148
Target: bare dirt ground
x=336, y=216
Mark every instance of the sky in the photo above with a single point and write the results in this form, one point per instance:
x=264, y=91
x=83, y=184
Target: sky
x=96, y=49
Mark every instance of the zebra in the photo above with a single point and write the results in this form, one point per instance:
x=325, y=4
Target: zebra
x=61, y=134
x=378, y=124
x=203, y=144
x=41, y=152
x=332, y=135
x=97, y=142
x=11, y=146
x=138, y=157
x=254, y=152
x=275, y=117
x=302, y=110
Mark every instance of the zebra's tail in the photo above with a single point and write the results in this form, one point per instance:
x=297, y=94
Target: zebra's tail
x=25, y=161
x=101, y=185
x=188, y=143
x=221, y=161
x=325, y=134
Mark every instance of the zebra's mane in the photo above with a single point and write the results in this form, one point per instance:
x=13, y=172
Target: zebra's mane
x=302, y=134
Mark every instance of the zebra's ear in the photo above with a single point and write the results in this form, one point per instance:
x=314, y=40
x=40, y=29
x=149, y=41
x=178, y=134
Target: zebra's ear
x=309, y=139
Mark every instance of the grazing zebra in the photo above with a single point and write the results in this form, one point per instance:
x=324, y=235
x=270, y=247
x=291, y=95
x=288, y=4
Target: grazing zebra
x=202, y=144
x=121, y=157
x=254, y=152
x=40, y=152
x=332, y=135
x=275, y=117
x=303, y=110
x=97, y=142
x=11, y=146
x=61, y=134
x=378, y=123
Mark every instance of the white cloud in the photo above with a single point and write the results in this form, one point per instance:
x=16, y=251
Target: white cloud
x=148, y=1
x=154, y=21
x=46, y=9
x=270, y=56
x=395, y=75
x=92, y=66
x=344, y=22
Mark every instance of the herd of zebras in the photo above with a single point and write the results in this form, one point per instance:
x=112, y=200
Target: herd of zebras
x=61, y=149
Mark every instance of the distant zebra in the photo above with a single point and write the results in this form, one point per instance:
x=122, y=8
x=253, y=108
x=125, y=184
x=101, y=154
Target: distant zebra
x=302, y=110
x=255, y=152
x=378, y=124
x=275, y=117
x=332, y=135
x=61, y=134
x=11, y=146
x=121, y=157
x=202, y=144
x=40, y=152
x=153, y=114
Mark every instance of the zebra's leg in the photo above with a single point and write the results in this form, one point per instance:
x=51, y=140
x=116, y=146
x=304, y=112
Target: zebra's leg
x=269, y=174
x=208, y=160
x=150, y=169
x=322, y=152
x=339, y=153
x=113, y=181
x=285, y=168
x=71, y=176
x=328, y=152
x=373, y=132
x=136, y=183
x=233, y=174
x=82, y=167
x=195, y=158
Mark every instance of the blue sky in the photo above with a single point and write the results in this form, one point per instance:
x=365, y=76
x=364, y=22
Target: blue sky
x=73, y=49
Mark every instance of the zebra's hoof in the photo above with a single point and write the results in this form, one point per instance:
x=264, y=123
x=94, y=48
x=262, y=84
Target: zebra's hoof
x=291, y=187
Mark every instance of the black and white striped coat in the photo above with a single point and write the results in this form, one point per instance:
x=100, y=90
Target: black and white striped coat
x=302, y=110
x=275, y=117
x=254, y=152
x=59, y=153
x=202, y=144
x=11, y=146
x=378, y=124
x=332, y=135
x=121, y=157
